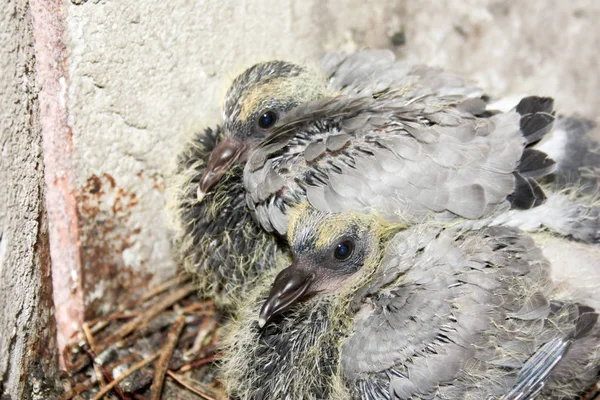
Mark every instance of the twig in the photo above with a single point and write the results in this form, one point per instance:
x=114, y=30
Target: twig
x=142, y=320
x=131, y=370
x=208, y=325
x=97, y=326
x=199, y=306
x=119, y=314
x=184, y=382
x=90, y=339
x=160, y=368
x=164, y=286
x=200, y=362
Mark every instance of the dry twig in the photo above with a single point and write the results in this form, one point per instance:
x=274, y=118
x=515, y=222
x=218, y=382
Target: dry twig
x=130, y=371
x=153, y=324
x=208, y=326
x=90, y=339
x=142, y=320
x=163, y=362
x=203, y=392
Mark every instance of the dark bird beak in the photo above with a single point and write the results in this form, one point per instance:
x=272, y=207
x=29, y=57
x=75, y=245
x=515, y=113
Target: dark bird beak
x=221, y=159
x=290, y=286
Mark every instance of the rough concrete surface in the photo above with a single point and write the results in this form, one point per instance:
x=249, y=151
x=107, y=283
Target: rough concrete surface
x=28, y=362
x=145, y=75
x=514, y=47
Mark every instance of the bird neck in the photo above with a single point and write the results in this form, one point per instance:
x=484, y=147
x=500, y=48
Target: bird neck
x=296, y=356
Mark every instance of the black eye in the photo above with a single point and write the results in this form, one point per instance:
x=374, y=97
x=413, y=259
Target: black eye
x=343, y=250
x=267, y=119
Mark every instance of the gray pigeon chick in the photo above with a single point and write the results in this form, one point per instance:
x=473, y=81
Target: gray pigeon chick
x=262, y=96
x=373, y=310
x=367, y=132
x=413, y=159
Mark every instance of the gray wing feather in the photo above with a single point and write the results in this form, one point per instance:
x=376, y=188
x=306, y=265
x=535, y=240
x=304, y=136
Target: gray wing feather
x=403, y=176
x=314, y=150
x=412, y=149
x=368, y=72
x=574, y=146
x=530, y=379
x=533, y=374
x=442, y=323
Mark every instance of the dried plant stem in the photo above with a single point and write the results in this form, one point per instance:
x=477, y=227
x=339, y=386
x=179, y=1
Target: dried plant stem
x=163, y=362
x=142, y=320
x=184, y=382
x=130, y=371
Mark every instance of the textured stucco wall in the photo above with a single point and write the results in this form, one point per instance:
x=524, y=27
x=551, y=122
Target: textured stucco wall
x=28, y=362
x=514, y=47
x=142, y=76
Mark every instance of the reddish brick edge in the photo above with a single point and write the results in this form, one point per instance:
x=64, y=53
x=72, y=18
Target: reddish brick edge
x=49, y=24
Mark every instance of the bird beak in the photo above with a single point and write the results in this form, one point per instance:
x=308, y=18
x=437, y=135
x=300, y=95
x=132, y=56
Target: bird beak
x=290, y=286
x=221, y=159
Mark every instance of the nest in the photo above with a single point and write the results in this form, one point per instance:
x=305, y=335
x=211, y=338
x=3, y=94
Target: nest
x=163, y=345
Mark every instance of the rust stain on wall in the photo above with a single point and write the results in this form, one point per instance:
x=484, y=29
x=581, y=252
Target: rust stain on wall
x=105, y=211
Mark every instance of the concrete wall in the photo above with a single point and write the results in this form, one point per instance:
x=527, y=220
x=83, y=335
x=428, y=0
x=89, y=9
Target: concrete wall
x=124, y=83
x=28, y=362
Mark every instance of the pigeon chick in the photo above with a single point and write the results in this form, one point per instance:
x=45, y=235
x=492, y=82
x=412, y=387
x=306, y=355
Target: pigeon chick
x=217, y=240
x=372, y=310
x=261, y=97
x=367, y=132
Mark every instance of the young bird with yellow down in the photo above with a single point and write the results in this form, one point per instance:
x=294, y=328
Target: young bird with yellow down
x=217, y=239
x=372, y=310
x=367, y=132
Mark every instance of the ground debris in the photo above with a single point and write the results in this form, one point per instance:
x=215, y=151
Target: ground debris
x=163, y=345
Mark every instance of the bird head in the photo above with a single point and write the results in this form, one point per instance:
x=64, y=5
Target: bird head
x=331, y=253
x=254, y=105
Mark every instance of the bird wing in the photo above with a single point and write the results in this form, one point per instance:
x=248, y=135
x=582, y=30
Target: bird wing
x=574, y=146
x=367, y=72
x=532, y=376
x=530, y=379
x=401, y=156
x=440, y=316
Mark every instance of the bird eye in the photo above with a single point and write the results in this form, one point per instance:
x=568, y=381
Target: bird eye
x=267, y=119
x=343, y=250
